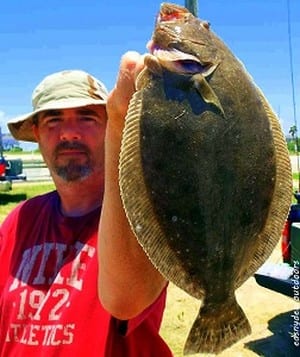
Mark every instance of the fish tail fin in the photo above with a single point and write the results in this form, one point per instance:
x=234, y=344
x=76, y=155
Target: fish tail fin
x=216, y=329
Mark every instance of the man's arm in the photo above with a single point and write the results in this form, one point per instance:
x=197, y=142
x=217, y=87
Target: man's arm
x=128, y=282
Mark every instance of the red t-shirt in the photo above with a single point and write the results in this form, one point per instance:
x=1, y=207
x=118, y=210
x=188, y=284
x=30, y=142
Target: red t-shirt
x=48, y=290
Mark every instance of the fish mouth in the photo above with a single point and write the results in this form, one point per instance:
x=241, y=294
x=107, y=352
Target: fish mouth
x=178, y=61
x=170, y=54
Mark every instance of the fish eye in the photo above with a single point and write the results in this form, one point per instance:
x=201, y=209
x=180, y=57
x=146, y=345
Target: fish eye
x=205, y=24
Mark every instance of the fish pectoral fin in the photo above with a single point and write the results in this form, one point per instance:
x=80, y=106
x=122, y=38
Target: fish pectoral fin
x=206, y=92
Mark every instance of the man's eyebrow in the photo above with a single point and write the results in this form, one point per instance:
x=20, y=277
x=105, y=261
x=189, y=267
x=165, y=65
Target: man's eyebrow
x=57, y=112
x=86, y=111
x=50, y=113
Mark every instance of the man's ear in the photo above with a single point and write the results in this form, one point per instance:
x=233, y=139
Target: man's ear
x=35, y=131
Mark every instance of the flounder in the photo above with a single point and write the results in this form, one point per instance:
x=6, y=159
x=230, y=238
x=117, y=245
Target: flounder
x=204, y=172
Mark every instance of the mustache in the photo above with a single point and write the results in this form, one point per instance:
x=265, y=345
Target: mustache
x=71, y=145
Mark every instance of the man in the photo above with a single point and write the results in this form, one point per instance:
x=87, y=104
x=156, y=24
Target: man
x=56, y=297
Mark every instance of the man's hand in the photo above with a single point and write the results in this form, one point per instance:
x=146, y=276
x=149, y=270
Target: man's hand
x=131, y=65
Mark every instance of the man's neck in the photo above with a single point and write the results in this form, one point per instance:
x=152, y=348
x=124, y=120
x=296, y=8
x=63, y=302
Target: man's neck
x=80, y=197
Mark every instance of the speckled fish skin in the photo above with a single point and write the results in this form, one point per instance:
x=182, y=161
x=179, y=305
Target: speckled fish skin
x=205, y=175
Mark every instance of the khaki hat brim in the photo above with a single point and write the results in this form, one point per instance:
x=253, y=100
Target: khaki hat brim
x=21, y=126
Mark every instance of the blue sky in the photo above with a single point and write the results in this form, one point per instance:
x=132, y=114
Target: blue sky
x=41, y=37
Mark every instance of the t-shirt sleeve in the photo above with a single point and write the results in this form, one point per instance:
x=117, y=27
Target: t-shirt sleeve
x=9, y=226
x=7, y=240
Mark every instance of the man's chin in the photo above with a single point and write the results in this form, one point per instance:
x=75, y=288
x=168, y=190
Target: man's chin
x=72, y=173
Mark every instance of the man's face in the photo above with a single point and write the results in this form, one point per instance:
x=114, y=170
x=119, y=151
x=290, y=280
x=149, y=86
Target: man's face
x=72, y=141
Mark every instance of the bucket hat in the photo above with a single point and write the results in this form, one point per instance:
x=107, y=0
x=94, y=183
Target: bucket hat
x=60, y=90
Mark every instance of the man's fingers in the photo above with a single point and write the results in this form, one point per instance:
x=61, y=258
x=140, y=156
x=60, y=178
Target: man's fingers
x=130, y=66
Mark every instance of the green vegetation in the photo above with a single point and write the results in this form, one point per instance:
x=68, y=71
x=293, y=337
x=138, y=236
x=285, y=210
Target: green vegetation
x=292, y=146
x=20, y=192
x=295, y=176
x=19, y=151
x=15, y=150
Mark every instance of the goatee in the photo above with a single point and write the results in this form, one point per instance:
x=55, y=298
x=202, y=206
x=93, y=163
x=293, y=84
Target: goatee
x=72, y=170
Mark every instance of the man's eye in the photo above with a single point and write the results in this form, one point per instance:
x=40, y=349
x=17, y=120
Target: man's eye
x=88, y=118
x=52, y=120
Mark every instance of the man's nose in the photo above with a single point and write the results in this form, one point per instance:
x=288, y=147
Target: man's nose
x=70, y=131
